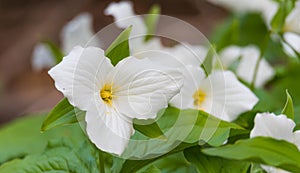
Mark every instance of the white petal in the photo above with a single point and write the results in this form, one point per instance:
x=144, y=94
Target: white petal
x=229, y=97
x=107, y=129
x=80, y=74
x=157, y=53
x=229, y=55
x=124, y=17
x=247, y=66
x=78, y=32
x=292, y=22
x=189, y=54
x=296, y=138
x=193, y=76
x=270, y=169
x=270, y=125
x=42, y=57
x=294, y=40
x=142, y=88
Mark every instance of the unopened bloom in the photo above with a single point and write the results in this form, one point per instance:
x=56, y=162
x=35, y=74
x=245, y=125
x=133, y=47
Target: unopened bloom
x=113, y=96
x=278, y=127
x=77, y=32
x=220, y=94
x=42, y=57
x=246, y=59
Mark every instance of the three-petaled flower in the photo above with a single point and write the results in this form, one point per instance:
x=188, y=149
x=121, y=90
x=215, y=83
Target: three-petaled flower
x=278, y=127
x=220, y=94
x=113, y=96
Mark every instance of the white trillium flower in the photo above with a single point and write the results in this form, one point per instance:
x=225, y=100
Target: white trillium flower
x=264, y=124
x=113, y=96
x=42, y=57
x=220, y=94
x=247, y=64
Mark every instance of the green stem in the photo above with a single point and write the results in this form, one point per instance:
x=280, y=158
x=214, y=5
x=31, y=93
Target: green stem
x=263, y=48
x=101, y=162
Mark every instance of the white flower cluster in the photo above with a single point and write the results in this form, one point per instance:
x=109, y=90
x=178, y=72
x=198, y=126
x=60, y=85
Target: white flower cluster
x=150, y=79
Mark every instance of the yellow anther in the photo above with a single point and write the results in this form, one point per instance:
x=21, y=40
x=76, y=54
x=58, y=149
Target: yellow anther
x=106, y=94
x=199, y=97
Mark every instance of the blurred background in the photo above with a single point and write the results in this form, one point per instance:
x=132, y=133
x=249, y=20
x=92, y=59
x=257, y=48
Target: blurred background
x=23, y=23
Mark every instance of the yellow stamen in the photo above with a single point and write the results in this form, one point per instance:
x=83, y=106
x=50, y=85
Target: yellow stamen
x=106, y=94
x=199, y=97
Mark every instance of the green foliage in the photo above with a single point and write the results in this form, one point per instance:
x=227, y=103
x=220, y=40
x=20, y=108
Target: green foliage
x=151, y=21
x=151, y=169
x=240, y=30
x=57, y=157
x=179, y=164
x=208, y=61
x=190, y=126
x=264, y=150
x=150, y=130
x=285, y=7
x=23, y=137
x=212, y=164
x=62, y=114
x=288, y=109
x=119, y=49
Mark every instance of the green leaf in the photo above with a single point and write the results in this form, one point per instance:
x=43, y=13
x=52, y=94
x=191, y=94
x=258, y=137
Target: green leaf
x=256, y=168
x=178, y=164
x=208, y=61
x=240, y=30
x=62, y=114
x=188, y=126
x=150, y=130
x=210, y=129
x=137, y=165
x=23, y=137
x=151, y=169
x=285, y=7
x=288, y=109
x=151, y=21
x=119, y=49
x=212, y=164
x=58, y=157
x=264, y=150
x=56, y=51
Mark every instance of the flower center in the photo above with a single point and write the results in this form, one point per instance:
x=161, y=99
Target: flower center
x=106, y=94
x=199, y=97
